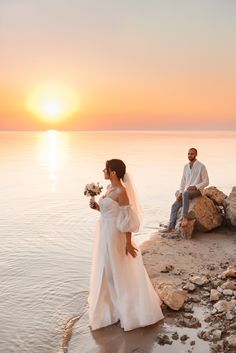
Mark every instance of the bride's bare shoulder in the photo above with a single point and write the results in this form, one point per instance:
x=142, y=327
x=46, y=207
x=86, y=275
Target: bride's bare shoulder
x=122, y=195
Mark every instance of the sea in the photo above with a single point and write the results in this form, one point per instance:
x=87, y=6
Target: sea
x=47, y=228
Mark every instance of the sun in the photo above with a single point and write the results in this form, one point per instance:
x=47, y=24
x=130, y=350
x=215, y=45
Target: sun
x=52, y=102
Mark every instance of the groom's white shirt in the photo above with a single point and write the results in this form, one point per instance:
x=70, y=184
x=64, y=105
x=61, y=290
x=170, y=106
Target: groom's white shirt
x=195, y=176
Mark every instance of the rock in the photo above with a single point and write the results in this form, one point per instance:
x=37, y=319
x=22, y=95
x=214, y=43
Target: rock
x=217, y=347
x=229, y=316
x=217, y=196
x=205, y=335
x=203, y=216
x=233, y=326
x=184, y=338
x=231, y=207
x=163, y=339
x=190, y=322
x=187, y=231
x=208, y=318
x=199, y=280
x=228, y=292
x=231, y=341
x=211, y=267
x=195, y=298
x=215, y=295
x=205, y=294
x=192, y=343
x=207, y=289
x=188, y=307
x=188, y=315
x=216, y=335
x=167, y=269
x=216, y=283
x=224, y=265
x=178, y=272
x=219, y=289
x=228, y=285
x=171, y=295
x=175, y=336
x=224, y=305
x=230, y=272
x=189, y=287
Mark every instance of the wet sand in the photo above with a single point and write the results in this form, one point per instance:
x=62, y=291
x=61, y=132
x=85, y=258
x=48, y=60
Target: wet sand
x=203, y=254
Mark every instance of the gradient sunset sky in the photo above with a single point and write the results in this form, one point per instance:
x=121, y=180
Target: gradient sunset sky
x=132, y=64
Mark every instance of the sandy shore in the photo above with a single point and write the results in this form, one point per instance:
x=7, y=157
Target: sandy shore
x=195, y=256
x=167, y=260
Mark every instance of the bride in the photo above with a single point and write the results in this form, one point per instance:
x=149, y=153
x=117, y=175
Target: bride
x=120, y=289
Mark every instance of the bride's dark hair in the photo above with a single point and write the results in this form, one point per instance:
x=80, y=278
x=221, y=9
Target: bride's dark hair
x=118, y=166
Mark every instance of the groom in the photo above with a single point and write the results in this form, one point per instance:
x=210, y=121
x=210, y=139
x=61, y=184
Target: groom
x=194, y=180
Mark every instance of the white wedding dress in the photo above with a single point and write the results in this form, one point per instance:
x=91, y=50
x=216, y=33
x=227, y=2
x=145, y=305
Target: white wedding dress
x=120, y=288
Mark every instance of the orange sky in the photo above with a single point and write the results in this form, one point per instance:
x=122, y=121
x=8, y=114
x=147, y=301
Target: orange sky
x=132, y=66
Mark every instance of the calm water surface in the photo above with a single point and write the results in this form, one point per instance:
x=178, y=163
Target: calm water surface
x=46, y=227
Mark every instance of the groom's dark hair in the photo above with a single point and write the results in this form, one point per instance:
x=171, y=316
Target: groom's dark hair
x=193, y=149
x=118, y=166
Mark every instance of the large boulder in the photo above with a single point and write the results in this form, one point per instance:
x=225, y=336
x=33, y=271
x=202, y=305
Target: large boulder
x=203, y=216
x=214, y=194
x=231, y=207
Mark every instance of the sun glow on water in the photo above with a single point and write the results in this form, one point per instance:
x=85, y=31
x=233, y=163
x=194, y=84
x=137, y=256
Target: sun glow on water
x=52, y=152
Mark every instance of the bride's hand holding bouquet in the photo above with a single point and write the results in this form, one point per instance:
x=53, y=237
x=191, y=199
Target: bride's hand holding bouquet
x=93, y=190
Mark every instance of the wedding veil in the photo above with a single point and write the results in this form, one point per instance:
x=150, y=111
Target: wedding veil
x=132, y=195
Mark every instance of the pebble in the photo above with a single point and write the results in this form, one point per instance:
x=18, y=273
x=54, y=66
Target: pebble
x=228, y=292
x=188, y=307
x=223, y=305
x=214, y=295
x=184, y=338
x=205, y=294
x=200, y=281
x=228, y=285
x=211, y=267
x=229, y=316
x=189, y=287
x=231, y=341
x=216, y=335
x=163, y=339
x=167, y=269
x=195, y=299
x=175, y=336
x=230, y=272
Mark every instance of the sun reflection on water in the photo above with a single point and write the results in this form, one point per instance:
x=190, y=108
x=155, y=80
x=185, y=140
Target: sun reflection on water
x=52, y=154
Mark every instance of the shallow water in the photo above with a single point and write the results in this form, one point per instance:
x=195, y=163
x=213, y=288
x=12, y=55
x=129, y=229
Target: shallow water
x=113, y=339
x=46, y=227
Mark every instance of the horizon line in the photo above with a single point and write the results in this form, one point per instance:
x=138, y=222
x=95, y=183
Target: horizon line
x=120, y=130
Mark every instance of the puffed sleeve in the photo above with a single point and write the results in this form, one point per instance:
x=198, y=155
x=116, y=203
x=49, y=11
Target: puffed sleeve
x=127, y=220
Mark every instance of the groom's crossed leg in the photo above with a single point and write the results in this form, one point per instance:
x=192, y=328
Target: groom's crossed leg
x=186, y=197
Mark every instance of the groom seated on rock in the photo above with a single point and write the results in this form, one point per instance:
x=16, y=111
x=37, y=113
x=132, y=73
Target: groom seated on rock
x=194, y=180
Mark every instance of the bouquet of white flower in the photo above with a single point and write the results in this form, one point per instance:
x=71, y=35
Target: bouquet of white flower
x=93, y=190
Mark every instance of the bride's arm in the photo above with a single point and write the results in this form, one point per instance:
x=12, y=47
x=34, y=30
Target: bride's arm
x=129, y=248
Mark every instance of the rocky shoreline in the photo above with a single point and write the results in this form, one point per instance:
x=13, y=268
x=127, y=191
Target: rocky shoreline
x=218, y=296
x=193, y=274
x=211, y=210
